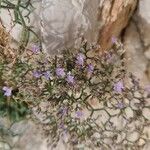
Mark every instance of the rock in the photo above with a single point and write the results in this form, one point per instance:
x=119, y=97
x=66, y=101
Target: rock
x=147, y=53
x=19, y=127
x=118, y=122
x=96, y=20
x=143, y=20
x=31, y=139
x=133, y=136
x=4, y=123
x=4, y=146
x=62, y=24
x=141, y=142
x=146, y=113
x=138, y=34
x=102, y=117
x=129, y=113
x=15, y=29
x=114, y=18
x=136, y=61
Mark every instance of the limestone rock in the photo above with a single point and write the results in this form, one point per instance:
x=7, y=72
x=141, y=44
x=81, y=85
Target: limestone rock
x=137, y=42
x=143, y=20
x=62, y=24
x=97, y=20
x=114, y=16
x=136, y=61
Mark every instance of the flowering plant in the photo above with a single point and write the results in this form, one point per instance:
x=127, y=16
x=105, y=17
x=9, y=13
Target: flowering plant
x=74, y=95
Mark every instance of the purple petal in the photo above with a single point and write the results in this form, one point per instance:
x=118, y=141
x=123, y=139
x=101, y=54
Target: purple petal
x=60, y=72
x=79, y=114
x=118, y=87
x=114, y=40
x=70, y=79
x=35, y=48
x=37, y=74
x=90, y=68
x=47, y=75
x=80, y=59
x=7, y=91
x=5, y=88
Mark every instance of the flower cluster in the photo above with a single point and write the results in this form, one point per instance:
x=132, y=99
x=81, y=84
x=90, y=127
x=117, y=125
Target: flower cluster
x=75, y=93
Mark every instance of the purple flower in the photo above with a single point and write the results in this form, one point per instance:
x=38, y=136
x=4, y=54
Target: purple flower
x=79, y=114
x=35, y=48
x=37, y=74
x=120, y=105
x=90, y=68
x=7, y=91
x=70, y=78
x=114, y=40
x=60, y=72
x=80, y=59
x=118, y=87
x=47, y=75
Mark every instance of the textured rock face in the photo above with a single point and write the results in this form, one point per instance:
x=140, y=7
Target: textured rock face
x=66, y=21
x=115, y=16
x=137, y=42
x=144, y=21
x=137, y=62
x=96, y=20
x=62, y=24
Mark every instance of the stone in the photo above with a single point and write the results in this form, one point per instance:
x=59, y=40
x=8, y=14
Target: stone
x=118, y=122
x=136, y=61
x=4, y=146
x=147, y=53
x=141, y=142
x=129, y=113
x=62, y=24
x=32, y=139
x=146, y=113
x=137, y=42
x=4, y=123
x=19, y=127
x=102, y=117
x=143, y=20
x=146, y=132
x=133, y=136
x=114, y=19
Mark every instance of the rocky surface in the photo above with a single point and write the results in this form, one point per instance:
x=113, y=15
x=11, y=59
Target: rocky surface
x=137, y=42
x=63, y=23
x=23, y=135
x=70, y=20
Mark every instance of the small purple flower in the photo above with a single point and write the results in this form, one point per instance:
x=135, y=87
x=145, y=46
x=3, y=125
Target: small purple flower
x=114, y=40
x=80, y=59
x=118, y=87
x=120, y=105
x=35, y=48
x=70, y=78
x=7, y=91
x=37, y=74
x=79, y=114
x=47, y=75
x=60, y=72
x=109, y=58
x=90, y=68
